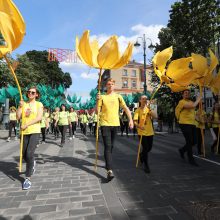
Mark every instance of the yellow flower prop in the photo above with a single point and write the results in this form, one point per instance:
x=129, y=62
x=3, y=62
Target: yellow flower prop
x=105, y=57
x=180, y=72
x=215, y=84
x=177, y=88
x=160, y=61
x=12, y=28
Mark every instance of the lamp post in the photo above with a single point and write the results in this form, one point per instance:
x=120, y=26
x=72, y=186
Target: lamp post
x=137, y=44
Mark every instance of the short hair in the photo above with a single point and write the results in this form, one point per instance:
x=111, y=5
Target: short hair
x=110, y=80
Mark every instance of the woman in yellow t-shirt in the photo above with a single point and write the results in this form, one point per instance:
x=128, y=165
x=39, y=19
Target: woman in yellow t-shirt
x=12, y=122
x=215, y=121
x=63, y=122
x=186, y=119
x=143, y=122
x=33, y=111
x=73, y=121
x=44, y=125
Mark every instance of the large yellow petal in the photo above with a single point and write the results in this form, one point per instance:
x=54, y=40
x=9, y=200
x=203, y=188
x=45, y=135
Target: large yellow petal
x=177, y=88
x=161, y=58
x=215, y=84
x=12, y=26
x=125, y=58
x=84, y=50
x=179, y=71
x=9, y=7
x=95, y=51
x=199, y=64
x=213, y=61
x=109, y=53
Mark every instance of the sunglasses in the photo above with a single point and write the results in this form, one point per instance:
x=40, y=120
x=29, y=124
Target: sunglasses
x=31, y=92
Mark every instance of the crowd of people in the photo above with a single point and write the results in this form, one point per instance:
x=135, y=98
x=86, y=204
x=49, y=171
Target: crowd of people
x=114, y=114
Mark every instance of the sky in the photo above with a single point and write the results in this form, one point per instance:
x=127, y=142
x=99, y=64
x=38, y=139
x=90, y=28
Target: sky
x=56, y=23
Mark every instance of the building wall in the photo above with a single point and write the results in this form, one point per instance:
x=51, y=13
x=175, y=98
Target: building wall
x=132, y=75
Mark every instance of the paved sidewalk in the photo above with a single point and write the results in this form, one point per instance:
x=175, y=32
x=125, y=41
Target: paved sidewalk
x=65, y=185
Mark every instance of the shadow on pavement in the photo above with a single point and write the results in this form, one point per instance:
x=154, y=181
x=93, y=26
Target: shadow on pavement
x=10, y=169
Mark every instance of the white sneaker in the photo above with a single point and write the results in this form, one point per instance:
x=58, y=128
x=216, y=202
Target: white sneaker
x=43, y=142
x=70, y=138
x=37, y=145
x=9, y=139
x=16, y=138
x=73, y=136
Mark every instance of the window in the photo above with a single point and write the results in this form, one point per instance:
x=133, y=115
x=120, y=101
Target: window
x=133, y=83
x=133, y=73
x=125, y=83
x=125, y=72
x=209, y=102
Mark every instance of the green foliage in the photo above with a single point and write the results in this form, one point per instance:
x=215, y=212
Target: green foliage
x=193, y=27
x=34, y=67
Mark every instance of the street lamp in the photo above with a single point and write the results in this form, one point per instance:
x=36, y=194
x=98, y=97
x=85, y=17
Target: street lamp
x=137, y=44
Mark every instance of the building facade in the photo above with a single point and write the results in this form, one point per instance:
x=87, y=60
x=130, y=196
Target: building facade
x=128, y=79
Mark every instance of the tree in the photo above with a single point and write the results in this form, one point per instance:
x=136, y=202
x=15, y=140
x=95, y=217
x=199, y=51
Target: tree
x=193, y=27
x=34, y=67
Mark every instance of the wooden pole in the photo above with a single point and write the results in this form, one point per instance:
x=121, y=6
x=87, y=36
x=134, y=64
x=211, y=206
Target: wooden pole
x=22, y=115
x=98, y=113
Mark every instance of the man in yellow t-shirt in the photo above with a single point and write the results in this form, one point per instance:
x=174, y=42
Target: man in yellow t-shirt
x=186, y=118
x=109, y=105
x=12, y=122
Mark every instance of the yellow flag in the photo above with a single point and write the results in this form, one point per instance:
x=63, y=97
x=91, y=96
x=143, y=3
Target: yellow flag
x=12, y=26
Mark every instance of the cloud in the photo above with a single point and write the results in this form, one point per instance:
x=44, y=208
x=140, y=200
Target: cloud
x=151, y=34
x=91, y=76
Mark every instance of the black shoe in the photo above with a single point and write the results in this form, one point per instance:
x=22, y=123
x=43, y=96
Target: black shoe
x=61, y=145
x=146, y=169
x=181, y=154
x=110, y=175
x=193, y=163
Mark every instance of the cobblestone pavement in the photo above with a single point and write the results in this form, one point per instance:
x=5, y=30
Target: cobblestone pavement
x=66, y=186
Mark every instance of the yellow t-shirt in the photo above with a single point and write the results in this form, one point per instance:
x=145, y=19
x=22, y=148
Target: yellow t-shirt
x=73, y=116
x=139, y=115
x=44, y=119
x=200, y=124
x=95, y=118
x=216, y=119
x=187, y=116
x=110, y=109
x=63, y=118
x=84, y=118
x=12, y=116
x=33, y=108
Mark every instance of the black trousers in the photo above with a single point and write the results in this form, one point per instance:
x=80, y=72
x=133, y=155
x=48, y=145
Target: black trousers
x=43, y=132
x=84, y=128
x=55, y=129
x=199, y=139
x=63, y=129
x=108, y=135
x=94, y=129
x=124, y=126
x=147, y=143
x=12, y=124
x=214, y=145
x=30, y=142
x=73, y=128
x=189, y=135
